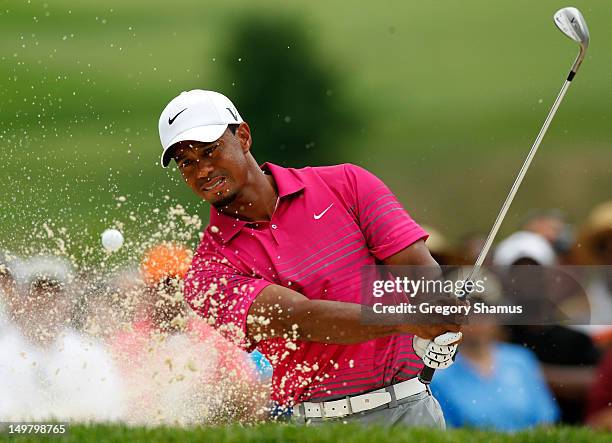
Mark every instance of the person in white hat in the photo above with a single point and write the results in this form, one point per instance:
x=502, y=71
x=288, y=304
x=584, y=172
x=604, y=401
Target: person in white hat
x=48, y=370
x=567, y=355
x=279, y=269
x=524, y=247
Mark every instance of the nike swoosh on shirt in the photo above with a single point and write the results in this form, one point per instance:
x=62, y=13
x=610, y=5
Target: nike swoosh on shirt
x=318, y=216
x=171, y=120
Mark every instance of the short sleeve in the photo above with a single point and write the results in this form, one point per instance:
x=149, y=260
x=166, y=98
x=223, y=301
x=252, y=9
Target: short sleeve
x=386, y=225
x=222, y=295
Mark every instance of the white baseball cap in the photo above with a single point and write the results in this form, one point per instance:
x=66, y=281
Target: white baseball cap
x=43, y=267
x=524, y=244
x=195, y=115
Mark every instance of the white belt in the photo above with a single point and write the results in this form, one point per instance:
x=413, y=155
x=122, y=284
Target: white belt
x=359, y=403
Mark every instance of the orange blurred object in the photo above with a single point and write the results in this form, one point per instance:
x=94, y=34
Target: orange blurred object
x=604, y=338
x=164, y=261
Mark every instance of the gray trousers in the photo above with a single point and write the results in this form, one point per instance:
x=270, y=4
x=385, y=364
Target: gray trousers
x=419, y=410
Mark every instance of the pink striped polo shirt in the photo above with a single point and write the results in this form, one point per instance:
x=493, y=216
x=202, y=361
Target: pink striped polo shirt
x=330, y=222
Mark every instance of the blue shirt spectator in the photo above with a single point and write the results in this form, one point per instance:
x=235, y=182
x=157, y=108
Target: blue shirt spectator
x=264, y=368
x=512, y=397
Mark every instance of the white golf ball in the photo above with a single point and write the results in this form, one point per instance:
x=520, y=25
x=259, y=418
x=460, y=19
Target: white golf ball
x=112, y=240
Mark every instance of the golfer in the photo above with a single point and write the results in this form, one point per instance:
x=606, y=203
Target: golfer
x=279, y=269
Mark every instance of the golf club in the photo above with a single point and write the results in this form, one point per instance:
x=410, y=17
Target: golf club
x=571, y=22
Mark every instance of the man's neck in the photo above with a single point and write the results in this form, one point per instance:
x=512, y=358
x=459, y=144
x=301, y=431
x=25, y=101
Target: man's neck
x=258, y=198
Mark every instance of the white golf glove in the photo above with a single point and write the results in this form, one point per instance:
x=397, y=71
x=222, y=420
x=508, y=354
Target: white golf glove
x=439, y=353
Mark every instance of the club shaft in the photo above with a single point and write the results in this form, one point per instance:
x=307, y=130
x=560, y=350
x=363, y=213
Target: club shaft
x=580, y=34
x=427, y=373
x=517, y=182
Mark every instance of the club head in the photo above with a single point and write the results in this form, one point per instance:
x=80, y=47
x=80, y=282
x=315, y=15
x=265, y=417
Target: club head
x=571, y=22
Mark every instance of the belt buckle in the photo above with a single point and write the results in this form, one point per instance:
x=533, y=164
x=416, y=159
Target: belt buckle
x=371, y=400
x=350, y=407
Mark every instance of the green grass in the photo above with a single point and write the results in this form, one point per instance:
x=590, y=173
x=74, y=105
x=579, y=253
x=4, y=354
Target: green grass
x=335, y=433
x=452, y=94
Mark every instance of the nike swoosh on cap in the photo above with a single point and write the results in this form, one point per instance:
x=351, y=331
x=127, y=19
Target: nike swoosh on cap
x=233, y=115
x=171, y=120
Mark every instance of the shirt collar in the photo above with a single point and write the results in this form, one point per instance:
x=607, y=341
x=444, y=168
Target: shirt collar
x=287, y=179
x=287, y=182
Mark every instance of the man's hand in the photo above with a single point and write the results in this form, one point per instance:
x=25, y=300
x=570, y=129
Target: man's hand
x=430, y=326
x=439, y=353
x=429, y=332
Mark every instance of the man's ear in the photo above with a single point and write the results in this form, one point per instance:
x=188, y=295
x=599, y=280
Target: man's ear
x=243, y=133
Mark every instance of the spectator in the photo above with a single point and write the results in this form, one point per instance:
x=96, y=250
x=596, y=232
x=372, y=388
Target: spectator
x=48, y=370
x=180, y=370
x=553, y=227
x=127, y=292
x=493, y=385
x=567, y=356
x=594, y=247
x=104, y=315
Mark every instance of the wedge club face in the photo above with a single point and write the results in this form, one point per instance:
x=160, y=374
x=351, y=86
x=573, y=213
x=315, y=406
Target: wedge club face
x=571, y=22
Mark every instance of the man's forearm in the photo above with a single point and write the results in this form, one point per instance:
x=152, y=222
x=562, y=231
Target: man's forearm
x=281, y=312
x=336, y=322
x=342, y=323
x=284, y=313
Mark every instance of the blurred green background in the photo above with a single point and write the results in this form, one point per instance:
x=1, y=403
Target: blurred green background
x=441, y=99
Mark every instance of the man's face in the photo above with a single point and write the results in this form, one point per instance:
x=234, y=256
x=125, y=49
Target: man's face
x=216, y=171
x=48, y=300
x=42, y=310
x=549, y=227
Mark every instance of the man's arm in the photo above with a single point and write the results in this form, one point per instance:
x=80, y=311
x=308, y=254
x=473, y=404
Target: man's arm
x=414, y=262
x=416, y=254
x=281, y=312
